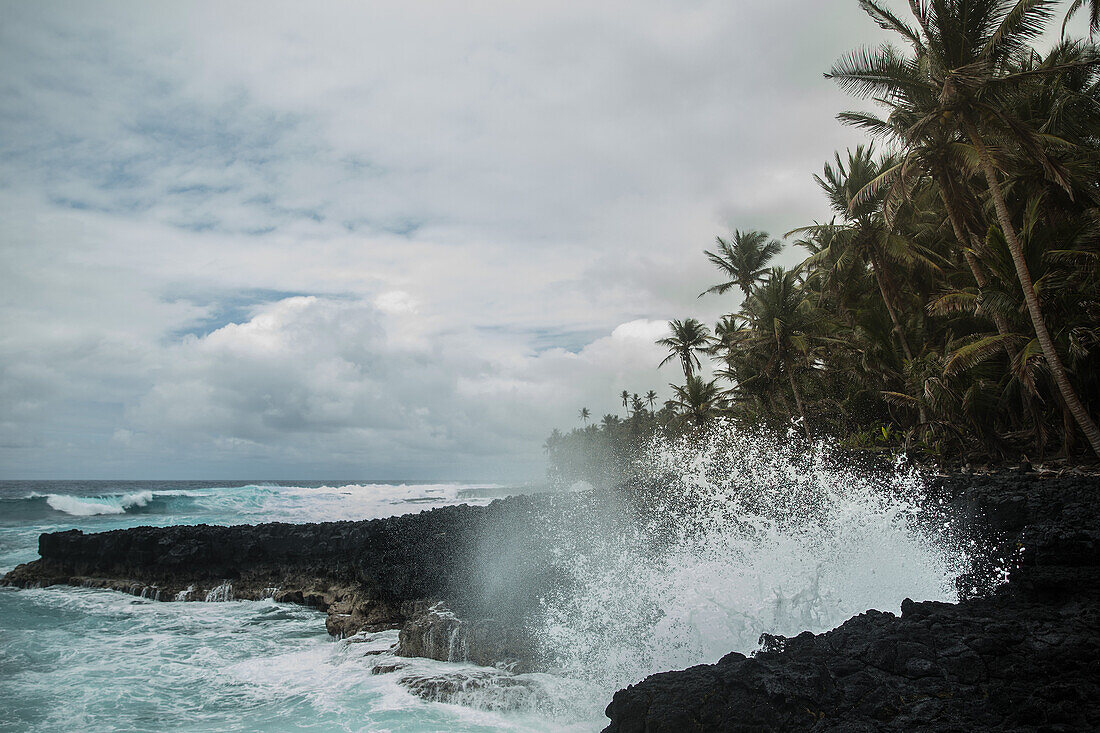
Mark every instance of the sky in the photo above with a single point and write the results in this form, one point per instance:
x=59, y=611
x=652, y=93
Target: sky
x=378, y=239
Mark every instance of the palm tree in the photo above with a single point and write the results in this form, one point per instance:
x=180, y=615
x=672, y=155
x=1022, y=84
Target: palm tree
x=651, y=399
x=689, y=338
x=743, y=259
x=552, y=442
x=625, y=397
x=963, y=70
x=865, y=235
x=779, y=328
x=584, y=414
x=697, y=401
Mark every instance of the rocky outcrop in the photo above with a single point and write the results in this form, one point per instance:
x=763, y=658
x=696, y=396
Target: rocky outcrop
x=366, y=575
x=1026, y=657
x=487, y=565
x=436, y=632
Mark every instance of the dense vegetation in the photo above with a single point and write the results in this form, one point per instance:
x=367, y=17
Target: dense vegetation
x=951, y=306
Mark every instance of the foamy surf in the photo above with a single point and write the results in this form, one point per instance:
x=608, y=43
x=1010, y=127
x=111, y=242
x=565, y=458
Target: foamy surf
x=255, y=502
x=761, y=535
x=90, y=506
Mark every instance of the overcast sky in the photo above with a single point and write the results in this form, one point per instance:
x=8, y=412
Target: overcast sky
x=374, y=239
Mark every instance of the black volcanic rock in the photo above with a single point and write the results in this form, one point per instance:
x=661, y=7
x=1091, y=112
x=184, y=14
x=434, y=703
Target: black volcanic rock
x=488, y=564
x=1025, y=658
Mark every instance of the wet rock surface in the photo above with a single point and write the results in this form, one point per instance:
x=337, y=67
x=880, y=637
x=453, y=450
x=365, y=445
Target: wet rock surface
x=492, y=690
x=436, y=632
x=1024, y=657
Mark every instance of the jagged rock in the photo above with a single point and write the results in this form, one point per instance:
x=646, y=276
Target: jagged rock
x=387, y=668
x=492, y=690
x=436, y=632
x=484, y=562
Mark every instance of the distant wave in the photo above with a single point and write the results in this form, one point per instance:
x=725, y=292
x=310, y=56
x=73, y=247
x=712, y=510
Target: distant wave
x=37, y=506
x=252, y=502
x=86, y=506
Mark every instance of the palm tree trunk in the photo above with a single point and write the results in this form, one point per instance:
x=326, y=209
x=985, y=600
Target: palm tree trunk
x=876, y=265
x=798, y=401
x=975, y=268
x=1084, y=421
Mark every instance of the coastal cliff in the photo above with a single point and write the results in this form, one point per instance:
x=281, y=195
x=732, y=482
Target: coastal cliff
x=459, y=582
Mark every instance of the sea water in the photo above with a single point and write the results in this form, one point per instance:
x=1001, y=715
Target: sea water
x=761, y=537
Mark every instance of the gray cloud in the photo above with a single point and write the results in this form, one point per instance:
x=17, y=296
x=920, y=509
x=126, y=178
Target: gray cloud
x=384, y=239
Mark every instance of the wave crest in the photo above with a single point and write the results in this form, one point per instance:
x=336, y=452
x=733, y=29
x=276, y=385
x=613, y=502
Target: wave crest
x=91, y=506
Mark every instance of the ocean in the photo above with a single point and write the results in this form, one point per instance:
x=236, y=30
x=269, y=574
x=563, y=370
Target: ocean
x=816, y=545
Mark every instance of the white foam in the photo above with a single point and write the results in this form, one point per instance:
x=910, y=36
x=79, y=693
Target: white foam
x=763, y=537
x=90, y=506
x=346, y=502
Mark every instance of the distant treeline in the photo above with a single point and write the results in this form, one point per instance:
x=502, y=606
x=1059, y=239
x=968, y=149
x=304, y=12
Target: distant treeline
x=952, y=304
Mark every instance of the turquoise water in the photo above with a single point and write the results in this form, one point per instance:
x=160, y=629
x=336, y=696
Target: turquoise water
x=95, y=660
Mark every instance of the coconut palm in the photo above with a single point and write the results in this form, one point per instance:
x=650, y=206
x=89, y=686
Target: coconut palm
x=584, y=414
x=865, y=236
x=743, y=259
x=688, y=339
x=962, y=69
x=697, y=402
x=651, y=399
x=779, y=329
x=625, y=396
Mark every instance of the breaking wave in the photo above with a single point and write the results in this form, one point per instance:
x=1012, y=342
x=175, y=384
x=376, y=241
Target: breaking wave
x=81, y=506
x=743, y=533
x=251, y=502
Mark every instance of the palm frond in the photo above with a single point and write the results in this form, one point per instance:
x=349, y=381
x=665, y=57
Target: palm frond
x=1021, y=25
x=976, y=352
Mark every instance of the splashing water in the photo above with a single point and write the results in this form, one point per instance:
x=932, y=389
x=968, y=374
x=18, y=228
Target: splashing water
x=741, y=534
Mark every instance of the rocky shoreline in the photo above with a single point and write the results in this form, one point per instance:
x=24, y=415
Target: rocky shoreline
x=1023, y=657
x=417, y=573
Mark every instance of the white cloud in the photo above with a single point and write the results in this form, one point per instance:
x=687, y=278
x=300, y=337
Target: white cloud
x=396, y=301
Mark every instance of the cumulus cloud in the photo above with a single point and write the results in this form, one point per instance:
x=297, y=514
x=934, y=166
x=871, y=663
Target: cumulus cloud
x=388, y=239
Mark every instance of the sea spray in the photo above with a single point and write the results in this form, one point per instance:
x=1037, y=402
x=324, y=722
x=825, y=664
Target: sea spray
x=741, y=533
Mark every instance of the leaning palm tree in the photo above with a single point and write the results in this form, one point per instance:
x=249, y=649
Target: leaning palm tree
x=743, y=259
x=689, y=338
x=963, y=68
